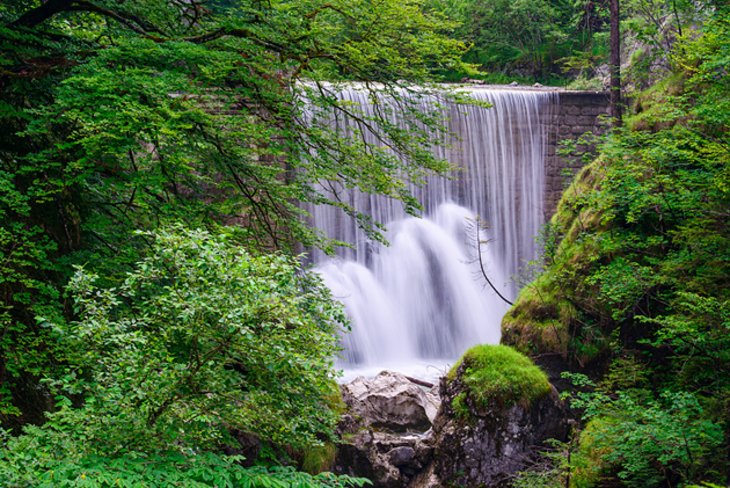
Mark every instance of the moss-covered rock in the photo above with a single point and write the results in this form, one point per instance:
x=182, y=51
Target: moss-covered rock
x=651, y=110
x=550, y=314
x=497, y=377
x=497, y=406
x=540, y=319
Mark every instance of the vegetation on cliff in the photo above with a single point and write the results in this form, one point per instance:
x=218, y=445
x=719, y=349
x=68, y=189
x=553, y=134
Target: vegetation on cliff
x=635, y=286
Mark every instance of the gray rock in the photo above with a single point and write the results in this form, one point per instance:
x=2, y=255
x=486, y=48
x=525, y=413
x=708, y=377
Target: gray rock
x=483, y=450
x=387, y=428
x=488, y=448
x=402, y=456
x=390, y=401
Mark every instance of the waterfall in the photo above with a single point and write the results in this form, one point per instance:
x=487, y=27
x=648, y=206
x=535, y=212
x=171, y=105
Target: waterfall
x=423, y=298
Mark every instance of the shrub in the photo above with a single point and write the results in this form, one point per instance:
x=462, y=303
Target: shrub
x=201, y=338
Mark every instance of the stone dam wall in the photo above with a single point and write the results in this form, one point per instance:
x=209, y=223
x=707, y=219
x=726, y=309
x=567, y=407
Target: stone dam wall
x=577, y=116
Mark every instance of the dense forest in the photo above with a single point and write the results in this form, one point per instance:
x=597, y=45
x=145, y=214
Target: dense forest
x=156, y=160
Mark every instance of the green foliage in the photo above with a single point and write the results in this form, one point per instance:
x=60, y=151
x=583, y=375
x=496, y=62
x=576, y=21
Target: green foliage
x=642, y=263
x=584, y=83
x=643, y=225
x=645, y=441
x=552, y=469
x=200, y=338
x=163, y=469
x=565, y=42
x=124, y=116
x=527, y=40
x=497, y=376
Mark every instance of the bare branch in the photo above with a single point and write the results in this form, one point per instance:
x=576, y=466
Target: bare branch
x=484, y=272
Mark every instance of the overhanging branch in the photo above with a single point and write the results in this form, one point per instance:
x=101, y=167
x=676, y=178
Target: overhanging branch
x=38, y=15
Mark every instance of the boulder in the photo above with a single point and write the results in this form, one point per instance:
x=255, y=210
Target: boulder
x=387, y=429
x=392, y=402
x=489, y=449
x=497, y=408
x=480, y=442
x=388, y=460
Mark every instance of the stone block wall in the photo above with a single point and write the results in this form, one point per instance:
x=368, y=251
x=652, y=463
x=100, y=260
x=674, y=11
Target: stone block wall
x=575, y=115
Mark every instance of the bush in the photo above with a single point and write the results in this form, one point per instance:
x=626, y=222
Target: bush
x=200, y=339
x=645, y=441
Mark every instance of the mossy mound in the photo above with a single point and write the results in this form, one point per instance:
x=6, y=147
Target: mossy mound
x=651, y=110
x=539, y=320
x=497, y=376
x=545, y=315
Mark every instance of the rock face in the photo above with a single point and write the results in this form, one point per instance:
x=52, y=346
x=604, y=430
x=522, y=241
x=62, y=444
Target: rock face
x=488, y=446
x=387, y=429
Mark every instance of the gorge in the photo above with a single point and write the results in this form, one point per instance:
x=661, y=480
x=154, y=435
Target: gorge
x=174, y=174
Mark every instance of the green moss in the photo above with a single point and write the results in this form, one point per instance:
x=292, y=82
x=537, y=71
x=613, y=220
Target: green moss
x=539, y=320
x=587, y=465
x=545, y=317
x=651, y=110
x=319, y=459
x=334, y=400
x=498, y=375
x=461, y=409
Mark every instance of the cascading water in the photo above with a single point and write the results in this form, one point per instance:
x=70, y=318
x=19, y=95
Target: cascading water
x=422, y=299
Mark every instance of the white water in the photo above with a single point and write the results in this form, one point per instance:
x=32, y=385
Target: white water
x=422, y=300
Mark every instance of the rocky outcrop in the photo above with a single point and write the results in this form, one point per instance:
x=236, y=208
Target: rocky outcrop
x=387, y=429
x=490, y=445
x=497, y=409
x=394, y=435
x=388, y=460
x=392, y=402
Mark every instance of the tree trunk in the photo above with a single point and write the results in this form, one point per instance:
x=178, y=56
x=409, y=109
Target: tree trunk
x=615, y=63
